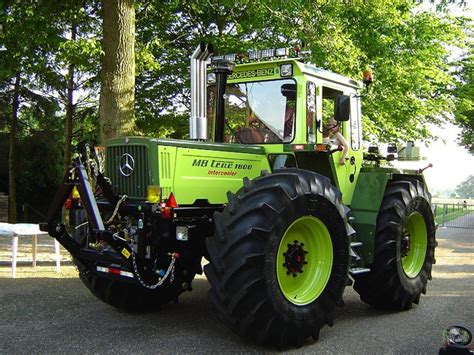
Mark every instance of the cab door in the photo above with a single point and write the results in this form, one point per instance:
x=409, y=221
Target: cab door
x=346, y=173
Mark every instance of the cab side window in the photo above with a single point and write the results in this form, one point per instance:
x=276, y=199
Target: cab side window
x=356, y=130
x=329, y=101
x=311, y=112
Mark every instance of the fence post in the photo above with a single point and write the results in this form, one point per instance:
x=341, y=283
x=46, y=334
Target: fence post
x=445, y=208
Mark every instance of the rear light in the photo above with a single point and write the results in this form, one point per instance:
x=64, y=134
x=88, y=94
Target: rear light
x=68, y=204
x=171, y=201
x=114, y=271
x=298, y=147
x=167, y=207
x=321, y=147
x=73, y=196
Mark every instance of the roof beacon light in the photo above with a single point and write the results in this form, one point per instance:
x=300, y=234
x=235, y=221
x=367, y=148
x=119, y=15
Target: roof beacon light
x=367, y=77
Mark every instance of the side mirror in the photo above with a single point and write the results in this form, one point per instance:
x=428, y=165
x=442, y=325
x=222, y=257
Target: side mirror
x=289, y=91
x=342, y=108
x=457, y=335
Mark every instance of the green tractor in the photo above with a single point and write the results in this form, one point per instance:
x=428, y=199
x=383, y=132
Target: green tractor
x=285, y=217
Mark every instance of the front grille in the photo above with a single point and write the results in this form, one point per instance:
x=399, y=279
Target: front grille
x=134, y=185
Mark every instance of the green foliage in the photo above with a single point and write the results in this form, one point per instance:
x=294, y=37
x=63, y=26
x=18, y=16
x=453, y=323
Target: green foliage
x=40, y=51
x=466, y=188
x=39, y=166
x=408, y=49
x=465, y=100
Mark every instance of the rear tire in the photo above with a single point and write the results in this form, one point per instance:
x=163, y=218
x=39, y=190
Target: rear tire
x=279, y=259
x=404, y=248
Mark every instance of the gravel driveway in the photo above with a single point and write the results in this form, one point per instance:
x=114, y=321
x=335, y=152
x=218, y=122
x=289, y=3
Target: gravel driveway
x=45, y=312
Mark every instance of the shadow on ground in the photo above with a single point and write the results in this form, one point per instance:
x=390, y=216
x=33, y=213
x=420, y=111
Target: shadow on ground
x=60, y=315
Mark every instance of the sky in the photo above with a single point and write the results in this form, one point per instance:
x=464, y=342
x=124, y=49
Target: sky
x=451, y=163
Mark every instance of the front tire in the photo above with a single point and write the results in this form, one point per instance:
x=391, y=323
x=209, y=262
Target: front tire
x=279, y=259
x=404, y=248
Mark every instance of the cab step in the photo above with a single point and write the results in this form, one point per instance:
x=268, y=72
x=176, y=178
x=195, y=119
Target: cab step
x=358, y=270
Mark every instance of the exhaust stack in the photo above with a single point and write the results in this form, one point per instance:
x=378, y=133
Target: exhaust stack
x=198, y=122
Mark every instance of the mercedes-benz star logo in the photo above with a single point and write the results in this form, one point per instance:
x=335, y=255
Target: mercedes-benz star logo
x=127, y=164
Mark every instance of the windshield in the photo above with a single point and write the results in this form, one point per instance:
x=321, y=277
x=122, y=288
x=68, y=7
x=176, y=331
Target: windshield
x=257, y=112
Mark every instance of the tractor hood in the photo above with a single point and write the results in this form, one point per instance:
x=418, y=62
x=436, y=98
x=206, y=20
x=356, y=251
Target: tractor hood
x=191, y=170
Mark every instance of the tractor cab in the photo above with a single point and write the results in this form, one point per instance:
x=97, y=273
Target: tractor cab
x=275, y=100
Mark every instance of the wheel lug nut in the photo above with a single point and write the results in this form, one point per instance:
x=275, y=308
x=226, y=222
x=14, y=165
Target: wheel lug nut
x=296, y=242
x=294, y=275
x=302, y=244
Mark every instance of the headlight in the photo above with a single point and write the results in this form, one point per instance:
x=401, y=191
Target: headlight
x=253, y=55
x=286, y=70
x=211, y=78
x=267, y=53
x=182, y=233
x=282, y=52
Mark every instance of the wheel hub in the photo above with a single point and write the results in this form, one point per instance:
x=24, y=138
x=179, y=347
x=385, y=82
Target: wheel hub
x=414, y=244
x=405, y=244
x=295, y=258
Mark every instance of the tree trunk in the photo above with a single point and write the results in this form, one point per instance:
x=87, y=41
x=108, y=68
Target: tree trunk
x=69, y=105
x=12, y=212
x=117, y=94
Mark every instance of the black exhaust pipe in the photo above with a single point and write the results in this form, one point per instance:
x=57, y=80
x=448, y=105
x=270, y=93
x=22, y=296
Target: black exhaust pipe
x=222, y=69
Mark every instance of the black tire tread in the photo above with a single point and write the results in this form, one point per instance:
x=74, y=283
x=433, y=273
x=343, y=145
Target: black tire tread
x=239, y=291
x=384, y=287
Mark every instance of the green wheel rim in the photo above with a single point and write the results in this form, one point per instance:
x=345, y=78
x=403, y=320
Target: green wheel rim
x=302, y=279
x=416, y=235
